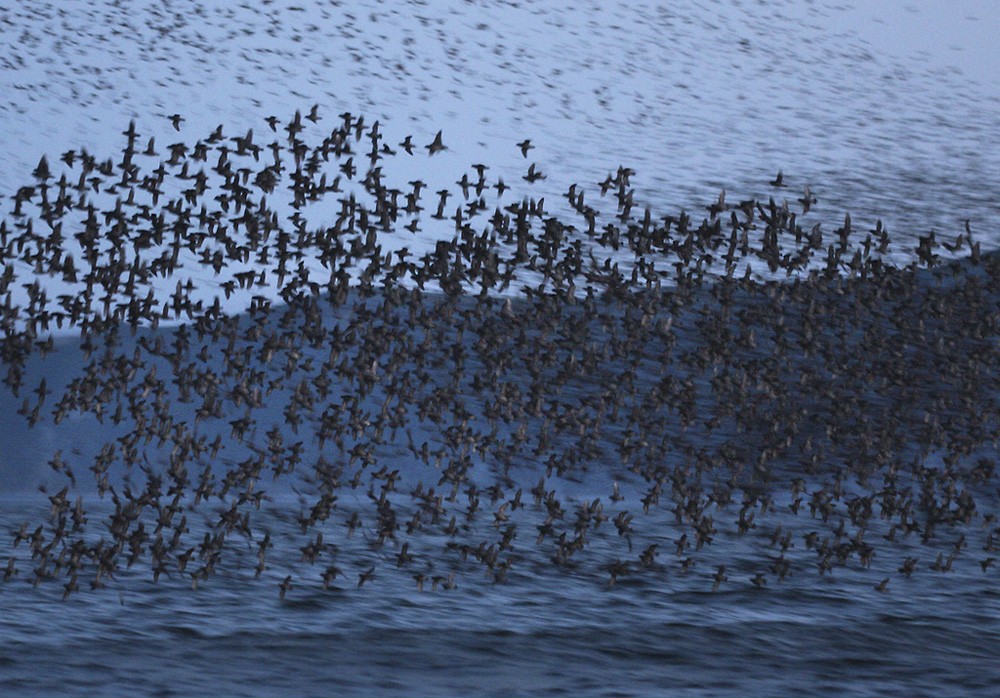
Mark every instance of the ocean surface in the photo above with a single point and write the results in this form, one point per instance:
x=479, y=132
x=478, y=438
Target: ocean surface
x=522, y=623
x=852, y=101
x=665, y=634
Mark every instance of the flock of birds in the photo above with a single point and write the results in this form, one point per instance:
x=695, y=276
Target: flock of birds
x=454, y=411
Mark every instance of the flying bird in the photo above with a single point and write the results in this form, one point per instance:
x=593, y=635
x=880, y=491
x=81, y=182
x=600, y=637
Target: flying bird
x=436, y=146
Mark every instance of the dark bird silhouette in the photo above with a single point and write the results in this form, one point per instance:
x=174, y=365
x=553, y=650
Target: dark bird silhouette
x=436, y=146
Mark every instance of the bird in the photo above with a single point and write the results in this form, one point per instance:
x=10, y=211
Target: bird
x=330, y=574
x=436, y=146
x=284, y=586
x=366, y=576
x=807, y=200
x=719, y=206
x=616, y=495
x=719, y=577
x=408, y=398
x=533, y=175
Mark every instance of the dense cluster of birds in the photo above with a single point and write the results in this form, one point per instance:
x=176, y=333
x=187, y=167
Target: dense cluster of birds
x=573, y=388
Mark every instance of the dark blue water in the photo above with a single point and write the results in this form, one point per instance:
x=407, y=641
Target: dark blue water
x=771, y=499
x=663, y=632
x=532, y=615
